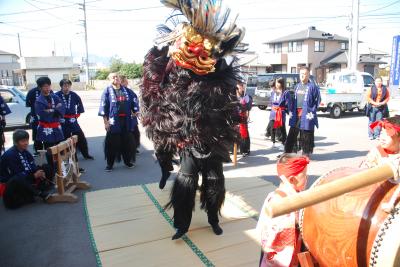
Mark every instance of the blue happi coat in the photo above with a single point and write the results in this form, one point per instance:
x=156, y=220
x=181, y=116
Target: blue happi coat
x=31, y=97
x=284, y=101
x=14, y=163
x=49, y=113
x=136, y=107
x=4, y=109
x=311, y=103
x=73, y=108
x=109, y=109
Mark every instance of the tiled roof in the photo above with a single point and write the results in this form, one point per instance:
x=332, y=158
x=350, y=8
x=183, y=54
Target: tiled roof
x=310, y=33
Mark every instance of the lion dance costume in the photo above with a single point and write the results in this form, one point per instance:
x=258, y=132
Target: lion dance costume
x=189, y=105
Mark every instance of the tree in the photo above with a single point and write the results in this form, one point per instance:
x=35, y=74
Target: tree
x=102, y=74
x=131, y=70
x=116, y=64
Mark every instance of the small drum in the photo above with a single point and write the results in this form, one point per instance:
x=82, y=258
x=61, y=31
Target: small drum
x=353, y=229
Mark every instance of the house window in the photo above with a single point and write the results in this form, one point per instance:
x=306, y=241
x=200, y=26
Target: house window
x=290, y=47
x=344, y=46
x=299, y=46
x=293, y=70
x=277, y=48
x=66, y=76
x=319, y=46
x=295, y=46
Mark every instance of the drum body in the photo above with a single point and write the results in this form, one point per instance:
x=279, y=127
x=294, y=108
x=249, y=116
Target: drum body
x=350, y=230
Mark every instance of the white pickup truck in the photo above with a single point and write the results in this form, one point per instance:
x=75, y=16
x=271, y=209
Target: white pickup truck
x=345, y=91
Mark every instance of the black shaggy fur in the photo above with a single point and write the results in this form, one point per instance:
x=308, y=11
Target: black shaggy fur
x=179, y=107
x=195, y=116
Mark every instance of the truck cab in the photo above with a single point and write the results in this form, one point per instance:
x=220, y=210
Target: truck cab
x=345, y=91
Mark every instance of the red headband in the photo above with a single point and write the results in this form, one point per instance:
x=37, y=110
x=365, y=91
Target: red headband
x=292, y=167
x=390, y=128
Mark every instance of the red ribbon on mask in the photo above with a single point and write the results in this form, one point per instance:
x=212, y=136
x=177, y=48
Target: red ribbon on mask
x=390, y=128
x=293, y=166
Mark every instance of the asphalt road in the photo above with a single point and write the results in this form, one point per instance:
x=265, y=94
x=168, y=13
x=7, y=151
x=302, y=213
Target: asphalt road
x=40, y=235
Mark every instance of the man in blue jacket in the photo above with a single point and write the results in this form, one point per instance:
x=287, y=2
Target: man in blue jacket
x=31, y=97
x=23, y=179
x=117, y=108
x=49, y=109
x=303, y=114
x=73, y=109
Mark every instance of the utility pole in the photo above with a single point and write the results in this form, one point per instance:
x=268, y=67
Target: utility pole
x=86, y=41
x=355, y=29
x=19, y=44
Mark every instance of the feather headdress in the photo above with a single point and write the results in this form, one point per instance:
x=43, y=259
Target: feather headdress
x=208, y=19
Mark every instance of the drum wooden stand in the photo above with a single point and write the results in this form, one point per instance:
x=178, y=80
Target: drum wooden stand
x=69, y=182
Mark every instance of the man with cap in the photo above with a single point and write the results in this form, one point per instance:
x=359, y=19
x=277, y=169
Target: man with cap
x=22, y=180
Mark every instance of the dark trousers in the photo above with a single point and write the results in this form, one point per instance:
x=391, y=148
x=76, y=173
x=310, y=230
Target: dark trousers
x=37, y=145
x=2, y=140
x=278, y=133
x=184, y=190
x=306, y=142
x=120, y=144
x=245, y=145
x=21, y=190
x=82, y=144
x=50, y=160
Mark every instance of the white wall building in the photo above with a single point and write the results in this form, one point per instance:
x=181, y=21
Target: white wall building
x=8, y=65
x=54, y=67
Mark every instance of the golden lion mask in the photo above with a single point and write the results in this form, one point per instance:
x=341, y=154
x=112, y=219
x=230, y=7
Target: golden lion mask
x=193, y=51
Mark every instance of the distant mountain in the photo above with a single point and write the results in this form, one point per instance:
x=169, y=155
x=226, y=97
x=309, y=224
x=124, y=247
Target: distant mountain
x=94, y=59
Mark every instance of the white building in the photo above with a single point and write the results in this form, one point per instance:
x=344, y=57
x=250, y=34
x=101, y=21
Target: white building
x=9, y=63
x=54, y=67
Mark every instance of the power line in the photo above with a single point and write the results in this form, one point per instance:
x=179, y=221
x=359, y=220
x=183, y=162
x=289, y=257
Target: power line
x=124, y=10
x=34, y=11
x=44, y=9
x=391, y=4
x=47, y=3
x=41, y=9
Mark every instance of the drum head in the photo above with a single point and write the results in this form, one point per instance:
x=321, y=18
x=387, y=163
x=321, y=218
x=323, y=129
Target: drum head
x=386, y=248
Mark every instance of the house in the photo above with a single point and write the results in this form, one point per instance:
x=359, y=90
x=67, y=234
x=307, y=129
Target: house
x=251, y=64
x=9, y=63
x=54, y=67
x=322, y=52
x=250, y=61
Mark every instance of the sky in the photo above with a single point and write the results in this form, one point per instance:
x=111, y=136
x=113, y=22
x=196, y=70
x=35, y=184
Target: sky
x=126, y=28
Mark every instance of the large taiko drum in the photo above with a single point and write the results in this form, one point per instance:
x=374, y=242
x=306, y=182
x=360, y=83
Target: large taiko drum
x=353, y=229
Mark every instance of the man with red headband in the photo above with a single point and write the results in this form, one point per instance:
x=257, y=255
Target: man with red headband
x=389, y=142
x=280, y=240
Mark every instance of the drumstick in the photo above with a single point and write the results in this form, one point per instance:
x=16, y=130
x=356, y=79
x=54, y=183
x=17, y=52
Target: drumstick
x=329, y=190
x=234, y=154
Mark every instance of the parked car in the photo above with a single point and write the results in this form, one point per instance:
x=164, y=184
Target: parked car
x=15, y=99
x=263, y=90
x=251, y=85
